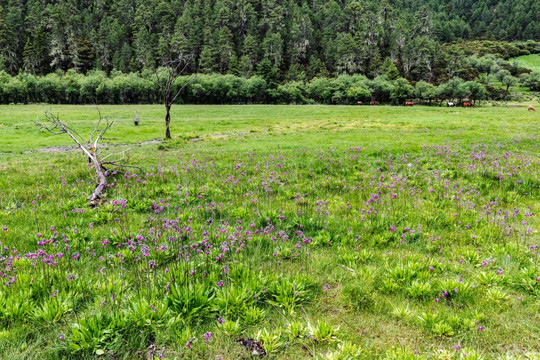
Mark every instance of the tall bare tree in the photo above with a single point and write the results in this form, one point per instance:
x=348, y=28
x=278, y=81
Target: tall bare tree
x=166, y=76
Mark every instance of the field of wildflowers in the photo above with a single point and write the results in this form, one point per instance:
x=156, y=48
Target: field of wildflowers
x=401, y=240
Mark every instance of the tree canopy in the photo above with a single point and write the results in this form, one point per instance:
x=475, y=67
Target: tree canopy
x=294, y=39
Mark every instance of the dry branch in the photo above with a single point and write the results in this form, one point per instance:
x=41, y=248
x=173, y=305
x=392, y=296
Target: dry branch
x=91, y=150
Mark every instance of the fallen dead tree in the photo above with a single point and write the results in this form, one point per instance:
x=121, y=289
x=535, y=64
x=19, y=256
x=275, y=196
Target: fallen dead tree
x=103, y=164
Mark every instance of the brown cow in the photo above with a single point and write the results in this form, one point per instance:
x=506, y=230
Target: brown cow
x=409, y=103
x=374, y=103
x=531, y=108
x=468, y=104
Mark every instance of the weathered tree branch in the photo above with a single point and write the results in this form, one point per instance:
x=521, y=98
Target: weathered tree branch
x=90, y=149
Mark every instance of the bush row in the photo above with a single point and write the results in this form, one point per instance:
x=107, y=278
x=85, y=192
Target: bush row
x=119, y=88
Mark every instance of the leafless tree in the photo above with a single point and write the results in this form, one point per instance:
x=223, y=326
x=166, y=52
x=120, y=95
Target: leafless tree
x=166, y=76
x=103, y=164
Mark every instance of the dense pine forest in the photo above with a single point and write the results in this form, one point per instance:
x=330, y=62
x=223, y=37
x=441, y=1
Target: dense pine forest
x=281, y=41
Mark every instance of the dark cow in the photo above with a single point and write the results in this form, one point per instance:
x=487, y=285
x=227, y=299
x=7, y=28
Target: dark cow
x=374, y=103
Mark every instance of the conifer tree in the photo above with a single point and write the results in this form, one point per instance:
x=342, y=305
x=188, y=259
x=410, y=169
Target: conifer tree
x=392, y=72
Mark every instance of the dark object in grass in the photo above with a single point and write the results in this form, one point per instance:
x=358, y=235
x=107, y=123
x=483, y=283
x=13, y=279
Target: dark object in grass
x=252, y=345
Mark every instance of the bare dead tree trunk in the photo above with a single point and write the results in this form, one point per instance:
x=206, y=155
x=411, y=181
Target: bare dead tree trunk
x=167, y=121
x=90, y=149
x=95, y=198
x=166, y=77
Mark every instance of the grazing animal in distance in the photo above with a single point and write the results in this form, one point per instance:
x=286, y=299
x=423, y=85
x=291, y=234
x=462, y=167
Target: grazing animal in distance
x=531, y=108
x=409, y=103
x=468, y=104
x=359, y=103
x=450, y=104
x=374, y=103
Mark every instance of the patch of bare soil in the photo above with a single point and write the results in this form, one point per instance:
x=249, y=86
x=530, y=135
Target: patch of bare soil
x=55, y=149
x=220, y=136
x=149, y=142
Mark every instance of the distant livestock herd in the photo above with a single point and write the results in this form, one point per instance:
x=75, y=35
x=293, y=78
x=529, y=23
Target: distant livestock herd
x=448, y=104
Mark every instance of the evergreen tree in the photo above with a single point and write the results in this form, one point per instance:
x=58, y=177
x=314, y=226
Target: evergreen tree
x=125, y=59
x=207, y=62
x=226, y=49
x=314, y=66
x=392, y=72
x=250, y=49
x=296, y=73
x=39, y=46
x=144, y=49
x=246, y=20
x=245, y=68
x=348, y=55
x=268, y=72
x=3, y=29
x=234, y=66
x=84, y=55
x=28, y=57
x=273, y=49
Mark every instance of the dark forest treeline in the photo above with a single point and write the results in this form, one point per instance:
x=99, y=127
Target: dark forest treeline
x=300, y=39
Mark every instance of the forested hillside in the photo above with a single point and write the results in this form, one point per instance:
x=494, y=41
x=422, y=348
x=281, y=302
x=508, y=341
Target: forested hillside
x=300, y=39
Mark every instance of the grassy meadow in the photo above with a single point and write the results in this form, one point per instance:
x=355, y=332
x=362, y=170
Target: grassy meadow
x=316, y=232
x=528, y=61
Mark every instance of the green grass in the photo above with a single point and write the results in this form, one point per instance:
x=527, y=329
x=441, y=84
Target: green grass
x=268, y=126
x=328, y=232
x=528, y=61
